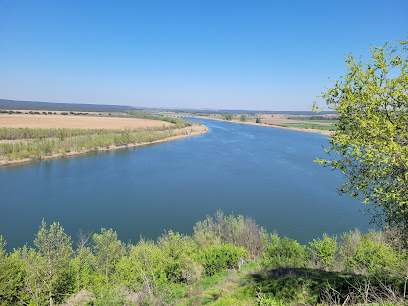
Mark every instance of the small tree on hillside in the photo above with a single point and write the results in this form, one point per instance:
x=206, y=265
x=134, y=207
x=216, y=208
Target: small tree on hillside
x=108, y=251
x=46, y=264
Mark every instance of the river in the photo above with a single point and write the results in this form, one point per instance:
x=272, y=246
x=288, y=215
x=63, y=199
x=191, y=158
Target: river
x=262, y=172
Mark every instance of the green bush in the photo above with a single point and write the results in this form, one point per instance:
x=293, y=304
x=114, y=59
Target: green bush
x=323, y=250
x=240, y=231
x=216, y=259
x=375, y=255
x=284, y=252
x=178, y=250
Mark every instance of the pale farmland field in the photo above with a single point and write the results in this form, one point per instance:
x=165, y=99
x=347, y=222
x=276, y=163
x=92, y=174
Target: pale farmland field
x=76, y=122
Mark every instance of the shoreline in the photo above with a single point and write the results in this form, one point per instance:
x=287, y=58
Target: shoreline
x=314, y=131
x=200, y=130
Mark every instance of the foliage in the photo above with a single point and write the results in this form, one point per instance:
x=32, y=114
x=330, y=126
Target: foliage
x=241, y=231
x=216, y=259
x=258, y=120
x=47, y=142
x=370, y=143
x=243, y=118
x=196, y=269
x=11, y=278
x=229, y=116
x=46, y=265
x=372, y=253
x=108, y=251
x=324, y=249
x=179, y=122
x=284, y=252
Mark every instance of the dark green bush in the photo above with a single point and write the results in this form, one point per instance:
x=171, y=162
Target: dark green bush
x=285, y=252
x=216, y=259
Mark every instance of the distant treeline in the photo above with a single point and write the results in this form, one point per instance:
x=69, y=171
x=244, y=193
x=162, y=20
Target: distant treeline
x=32, y=105
x=179, y=122
x=11, y=112
x=102, y=270
x=40, y=143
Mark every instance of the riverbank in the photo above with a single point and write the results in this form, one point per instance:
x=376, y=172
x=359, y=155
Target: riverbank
x=315, y=131
x=189, y=131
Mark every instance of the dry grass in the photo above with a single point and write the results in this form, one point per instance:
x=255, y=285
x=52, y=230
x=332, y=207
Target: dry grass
x=76, y=122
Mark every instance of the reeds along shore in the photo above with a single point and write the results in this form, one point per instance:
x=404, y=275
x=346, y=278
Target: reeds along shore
x=22, y=144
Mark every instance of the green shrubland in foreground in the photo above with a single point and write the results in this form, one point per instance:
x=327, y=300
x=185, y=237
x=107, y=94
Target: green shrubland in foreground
x=228, y=260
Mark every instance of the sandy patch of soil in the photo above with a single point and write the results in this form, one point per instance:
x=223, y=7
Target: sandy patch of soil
x=76, y=122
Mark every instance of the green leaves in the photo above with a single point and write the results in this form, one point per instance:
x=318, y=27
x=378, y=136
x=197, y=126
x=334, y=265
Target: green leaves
x=108, y=252
x=216, y=259
x=370, y=144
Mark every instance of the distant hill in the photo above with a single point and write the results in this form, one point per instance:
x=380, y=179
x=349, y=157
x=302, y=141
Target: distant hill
x=52, y=106
x=32, y=105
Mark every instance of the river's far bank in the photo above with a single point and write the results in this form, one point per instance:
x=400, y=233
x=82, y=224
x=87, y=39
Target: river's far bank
x=189, y=131
x=315, y=131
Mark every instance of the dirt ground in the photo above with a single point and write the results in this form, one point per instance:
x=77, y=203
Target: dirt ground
x=75, y=122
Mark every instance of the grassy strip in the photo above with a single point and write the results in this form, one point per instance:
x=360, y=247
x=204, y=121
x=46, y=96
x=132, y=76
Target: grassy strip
x=179, y=122
x=310, y=126
x=75, y=141
x=321, y=121
x=27, y=133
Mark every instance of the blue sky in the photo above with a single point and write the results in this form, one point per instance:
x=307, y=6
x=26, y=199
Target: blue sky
x=263, y=55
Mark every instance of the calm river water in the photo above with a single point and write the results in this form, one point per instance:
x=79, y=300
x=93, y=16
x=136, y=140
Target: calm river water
x=265, y=173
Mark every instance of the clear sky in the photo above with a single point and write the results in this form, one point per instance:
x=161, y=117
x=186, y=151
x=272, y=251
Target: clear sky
x=265, y=55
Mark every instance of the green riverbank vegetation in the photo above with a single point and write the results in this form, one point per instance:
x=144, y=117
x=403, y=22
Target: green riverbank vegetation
x=179, y=122
x=42, y=143
x=31, y=144
x=227, y=260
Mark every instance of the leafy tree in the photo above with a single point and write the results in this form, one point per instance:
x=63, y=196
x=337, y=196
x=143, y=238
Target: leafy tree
x=243, y=118
x=82, y=261
x=323, y=250
x=258, y=120
x=47, y=265
x=370, y=144
x=11, y=278
x=229, y=116
x=108, y=251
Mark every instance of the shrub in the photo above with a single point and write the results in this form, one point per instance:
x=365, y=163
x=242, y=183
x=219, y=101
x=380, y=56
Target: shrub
x=323, y=250
x=216, y=259
x=240, y=231
x=284, y=252
x=374, y=255
x=177, y=249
